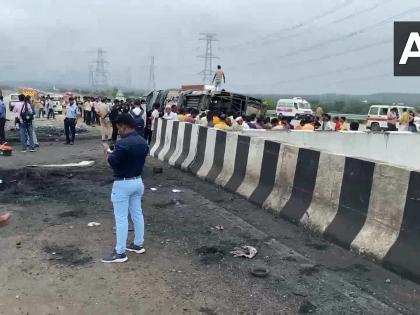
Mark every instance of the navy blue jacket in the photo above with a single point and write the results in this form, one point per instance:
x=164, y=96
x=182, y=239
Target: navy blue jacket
x=129, y=155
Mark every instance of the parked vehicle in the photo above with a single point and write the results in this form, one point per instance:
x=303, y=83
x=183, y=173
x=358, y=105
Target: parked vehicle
x=57, y=103
x=14, y=98
x=295, y=108
x=378, y=116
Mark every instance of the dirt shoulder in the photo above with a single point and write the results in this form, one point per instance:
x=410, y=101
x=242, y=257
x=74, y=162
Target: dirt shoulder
x=50, y=262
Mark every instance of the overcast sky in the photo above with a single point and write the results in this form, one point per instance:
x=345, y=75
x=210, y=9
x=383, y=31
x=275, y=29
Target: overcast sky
x=267, y=46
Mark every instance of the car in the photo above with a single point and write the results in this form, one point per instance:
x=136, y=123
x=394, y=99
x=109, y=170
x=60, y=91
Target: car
x=14, y=98
x=378, y=116
x=57, y=103
x=295, y=108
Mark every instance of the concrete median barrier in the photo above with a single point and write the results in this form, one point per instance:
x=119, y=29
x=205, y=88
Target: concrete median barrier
x=361, y=205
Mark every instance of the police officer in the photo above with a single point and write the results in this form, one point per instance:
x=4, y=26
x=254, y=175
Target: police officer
x=127, y=161
x=72, y=113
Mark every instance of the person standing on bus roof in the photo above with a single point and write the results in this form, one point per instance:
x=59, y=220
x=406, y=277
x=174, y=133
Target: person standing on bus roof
x=219, y=75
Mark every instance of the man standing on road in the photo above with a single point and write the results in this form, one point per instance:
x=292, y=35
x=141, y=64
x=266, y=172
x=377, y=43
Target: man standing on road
x=218, y=77
x=49, y=105
x=127, y=161
x=105, y=122
x=72, y=113
x=25, y=117
x=2, y=121
x=153, y=116
x=87, y=108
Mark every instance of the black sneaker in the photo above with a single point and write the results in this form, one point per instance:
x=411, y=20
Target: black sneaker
x=115, y=258
x=136, y=249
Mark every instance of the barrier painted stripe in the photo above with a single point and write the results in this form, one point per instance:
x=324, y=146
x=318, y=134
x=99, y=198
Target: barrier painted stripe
x=178, y=146
x=192, y=148
x=403, y=257
x=185, y=145
x=267, y=175
x=201, y=149
x=253, y=169
x=158, y=136
x=326, y=197
x=174, y=138
x=386, y=211
x=354, y=202
x=161, y=144
x=208, y=154
x=303, y=185
x=241, y=158
x=219, y=155
x=285, y=175
x=153, y=141
x=167, y=142
x=228, y=159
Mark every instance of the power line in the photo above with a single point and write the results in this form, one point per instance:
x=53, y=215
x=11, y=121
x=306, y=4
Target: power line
x=339, y=20
x=208, y=56
x=296, y=26
x=365, y=65
x=346, y=36
x=340, y=53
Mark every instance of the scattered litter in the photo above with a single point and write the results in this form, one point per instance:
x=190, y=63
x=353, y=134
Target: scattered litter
x=17, y=297
x=219, y=227
x=260, y=272
x=244, y=251
x=71, y=226
x=176, y=190
x=1, y=181
x=388, y=280
x=153, y=189
x=80, y=164
x=90, y=224
x=18, y=244
x=157, y=170
x=53, y=253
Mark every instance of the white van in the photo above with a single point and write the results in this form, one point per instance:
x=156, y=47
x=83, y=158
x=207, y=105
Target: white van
x=296, y=108
x=378, y=116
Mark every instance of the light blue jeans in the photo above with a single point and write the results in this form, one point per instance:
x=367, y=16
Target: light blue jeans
x=126, y=197
x=26, y=132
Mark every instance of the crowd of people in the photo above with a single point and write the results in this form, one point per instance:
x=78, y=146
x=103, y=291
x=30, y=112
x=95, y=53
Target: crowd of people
x=236, y=122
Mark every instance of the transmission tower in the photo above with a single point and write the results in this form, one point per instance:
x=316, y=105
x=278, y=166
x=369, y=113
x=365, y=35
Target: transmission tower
x=100, y=74
x=208, y=57
x=91, y=76
x=152, y=79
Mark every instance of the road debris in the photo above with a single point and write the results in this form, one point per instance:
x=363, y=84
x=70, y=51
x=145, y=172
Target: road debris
x=244, y=251
x=388, y=280
x=219, y=227
x=153, y=189
x=91, y=224
x=176, y=190
x=260, y=272
x=78, y=165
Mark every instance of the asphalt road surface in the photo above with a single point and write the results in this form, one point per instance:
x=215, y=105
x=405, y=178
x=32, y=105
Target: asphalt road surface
x=50, y=258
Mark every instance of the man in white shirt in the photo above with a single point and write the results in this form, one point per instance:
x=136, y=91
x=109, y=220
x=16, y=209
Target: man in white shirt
x=154, y=115
x=218, y=77
x=169, y=114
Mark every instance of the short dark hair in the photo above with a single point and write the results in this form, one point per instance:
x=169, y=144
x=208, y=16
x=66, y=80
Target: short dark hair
x=343, y=118
x=21, y=97
x=354, y=126
x=219, y=67
x=156, y=105
x=1, y=97
x=126, y=120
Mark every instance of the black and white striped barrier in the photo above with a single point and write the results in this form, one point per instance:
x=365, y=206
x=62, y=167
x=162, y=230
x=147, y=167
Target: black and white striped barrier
x=368, y=207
